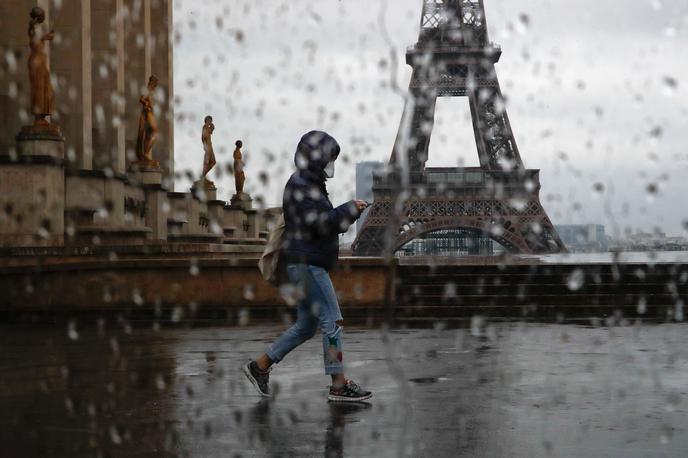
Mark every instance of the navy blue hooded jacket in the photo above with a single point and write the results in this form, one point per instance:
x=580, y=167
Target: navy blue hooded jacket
x=312, y=224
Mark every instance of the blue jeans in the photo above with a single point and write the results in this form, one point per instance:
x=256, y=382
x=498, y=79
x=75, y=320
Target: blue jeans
x=318, y=307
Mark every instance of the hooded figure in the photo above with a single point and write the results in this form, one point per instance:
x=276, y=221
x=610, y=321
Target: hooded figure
x=310, y=250
x=312, y=224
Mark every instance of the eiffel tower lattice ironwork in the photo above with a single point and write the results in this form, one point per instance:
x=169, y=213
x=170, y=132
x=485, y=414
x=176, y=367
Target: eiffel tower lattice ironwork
x=454, y=57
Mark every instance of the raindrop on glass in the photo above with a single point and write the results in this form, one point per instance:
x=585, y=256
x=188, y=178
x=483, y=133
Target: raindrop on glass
x=575, y=280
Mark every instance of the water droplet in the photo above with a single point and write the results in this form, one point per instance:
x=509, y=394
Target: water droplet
x=518, y=204
x=136, y=297
x=114, y=435
x=160, y=382
x=177, y=314
x=71, y=331
x=477, y=325
x=670, y=32
x=249, y=292
x=669, y=86
x=243, y=317
x=575, y=280
x=656, y=132
x=642, y=305
x=523, y=23
x=678, y=313
x=449, y=291
x=290, y=294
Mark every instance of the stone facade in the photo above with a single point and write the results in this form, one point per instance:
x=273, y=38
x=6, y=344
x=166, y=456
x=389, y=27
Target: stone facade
x=101, y=58
x=80, y=191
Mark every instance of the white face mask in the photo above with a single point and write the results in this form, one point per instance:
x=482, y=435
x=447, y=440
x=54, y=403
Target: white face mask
x=329, y=169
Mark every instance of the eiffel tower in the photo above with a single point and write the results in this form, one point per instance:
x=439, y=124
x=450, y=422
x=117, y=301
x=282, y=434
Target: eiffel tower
x=500, y=199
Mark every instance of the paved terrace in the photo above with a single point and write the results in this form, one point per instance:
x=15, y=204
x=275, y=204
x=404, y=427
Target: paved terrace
x=520, y=390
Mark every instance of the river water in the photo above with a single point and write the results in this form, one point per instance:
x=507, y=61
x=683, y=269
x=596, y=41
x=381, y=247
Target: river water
x=514, y=389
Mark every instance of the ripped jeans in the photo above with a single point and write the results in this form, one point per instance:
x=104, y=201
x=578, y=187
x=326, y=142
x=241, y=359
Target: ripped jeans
x=318, y=307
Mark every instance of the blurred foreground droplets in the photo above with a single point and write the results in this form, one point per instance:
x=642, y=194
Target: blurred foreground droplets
x=115, y=437
x=290, y=293
x=244, y=317
x=136, y=297
x=642, y=305
x=193, y=267
x=523, y=23
x=72, y=333
x=575, y=280
x=478, y=324
x=669, y=86
x=249, y=292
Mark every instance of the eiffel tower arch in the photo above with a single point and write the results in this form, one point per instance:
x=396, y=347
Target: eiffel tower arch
x=455, y=58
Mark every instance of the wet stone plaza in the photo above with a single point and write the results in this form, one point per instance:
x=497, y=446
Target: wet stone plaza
x=513, y=389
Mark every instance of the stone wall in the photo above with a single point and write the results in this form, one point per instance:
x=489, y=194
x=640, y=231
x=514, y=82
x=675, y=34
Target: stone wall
x=191, y=284
x=101, y=58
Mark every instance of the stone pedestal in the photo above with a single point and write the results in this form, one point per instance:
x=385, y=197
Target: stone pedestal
x=216, y=209
x=37, y=141
x=252, y=228
x=242, y=201
x=149, y=176
x=32, y=191
x=157, y=211
x=146, y=174
x=204, y=190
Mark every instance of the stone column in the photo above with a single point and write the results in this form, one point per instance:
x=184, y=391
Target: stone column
x=157, y=210
x=146, y=38
x=71, y=66
x=252, y=224
x=159, y=45
x=135, y=77
x=107, y=20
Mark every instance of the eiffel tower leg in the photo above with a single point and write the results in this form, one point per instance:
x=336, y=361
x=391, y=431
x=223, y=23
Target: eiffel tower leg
x=421, y=108
x=497, y=149
x=371, y=240
x=538, y=232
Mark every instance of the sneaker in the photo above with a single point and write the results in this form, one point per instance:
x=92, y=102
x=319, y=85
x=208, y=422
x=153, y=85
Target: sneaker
x=258, y=378
x=350, y=392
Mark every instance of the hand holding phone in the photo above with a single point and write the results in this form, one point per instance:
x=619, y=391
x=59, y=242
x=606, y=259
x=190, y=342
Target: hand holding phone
x=361, y=204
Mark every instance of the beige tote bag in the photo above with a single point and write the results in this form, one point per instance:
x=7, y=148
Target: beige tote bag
x=269, y=263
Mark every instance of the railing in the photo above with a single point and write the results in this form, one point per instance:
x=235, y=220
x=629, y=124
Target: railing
x=439, y=46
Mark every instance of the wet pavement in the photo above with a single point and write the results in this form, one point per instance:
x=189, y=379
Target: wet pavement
x=498, y=390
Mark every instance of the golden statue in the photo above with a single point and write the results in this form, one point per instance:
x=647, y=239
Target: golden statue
x=209, y=157
x=239, y=176
x=148, y=127
x=42, y=94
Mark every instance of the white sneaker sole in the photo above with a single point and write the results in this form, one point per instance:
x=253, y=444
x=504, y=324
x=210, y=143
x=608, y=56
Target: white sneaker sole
x=335, y=398
x=247, y=372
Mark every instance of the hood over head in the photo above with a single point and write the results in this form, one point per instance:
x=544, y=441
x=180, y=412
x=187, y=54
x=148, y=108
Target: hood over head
x=315, y=150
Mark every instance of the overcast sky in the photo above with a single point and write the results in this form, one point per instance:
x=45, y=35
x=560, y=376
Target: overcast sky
x=596, y=95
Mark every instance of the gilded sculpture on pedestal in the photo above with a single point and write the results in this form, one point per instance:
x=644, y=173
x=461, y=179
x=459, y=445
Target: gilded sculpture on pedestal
x=209, y=157
x=239, y=176
x=42, y=94
x=148, y=127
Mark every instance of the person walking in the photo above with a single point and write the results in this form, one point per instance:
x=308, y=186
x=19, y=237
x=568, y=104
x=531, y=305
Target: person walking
x=310, y=251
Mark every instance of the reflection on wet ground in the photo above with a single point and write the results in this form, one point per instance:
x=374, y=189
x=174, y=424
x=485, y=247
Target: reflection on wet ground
x=507, y=390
